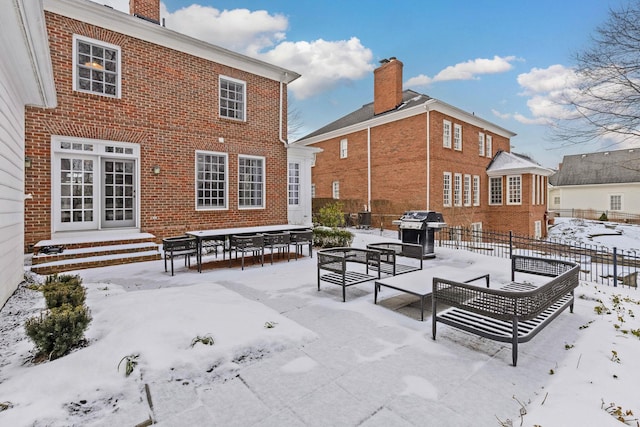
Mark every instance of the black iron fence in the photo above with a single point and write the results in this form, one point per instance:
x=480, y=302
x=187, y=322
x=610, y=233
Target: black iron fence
x=597, y=263
x=616, y=216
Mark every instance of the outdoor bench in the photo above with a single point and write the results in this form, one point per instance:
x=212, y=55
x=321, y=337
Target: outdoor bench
x=513, y=314
x=345, y=266
x=389, y=253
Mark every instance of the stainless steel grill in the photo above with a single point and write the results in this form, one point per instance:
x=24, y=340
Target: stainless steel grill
x=419, y=227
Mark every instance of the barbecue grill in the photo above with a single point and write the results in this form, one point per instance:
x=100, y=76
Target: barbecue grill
x=419, y=227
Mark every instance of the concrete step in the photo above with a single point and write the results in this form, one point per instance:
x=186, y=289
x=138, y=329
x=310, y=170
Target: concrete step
x=80, y=263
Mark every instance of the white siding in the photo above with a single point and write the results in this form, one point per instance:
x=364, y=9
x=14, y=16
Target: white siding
x=301, y=214
x=20, y=84
x=595, y=197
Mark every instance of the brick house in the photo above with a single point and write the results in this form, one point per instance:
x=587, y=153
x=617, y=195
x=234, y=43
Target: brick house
x=155, y=133
x=406, y=150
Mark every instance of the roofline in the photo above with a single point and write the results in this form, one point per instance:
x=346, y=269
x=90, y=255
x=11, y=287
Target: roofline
x=534, y=170
x=431, y=104
x=111, y=19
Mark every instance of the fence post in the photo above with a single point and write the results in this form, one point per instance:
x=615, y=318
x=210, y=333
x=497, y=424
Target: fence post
x=510, y=244
x=615, y=267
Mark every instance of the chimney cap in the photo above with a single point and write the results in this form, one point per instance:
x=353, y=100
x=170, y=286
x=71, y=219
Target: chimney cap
x=384, y=61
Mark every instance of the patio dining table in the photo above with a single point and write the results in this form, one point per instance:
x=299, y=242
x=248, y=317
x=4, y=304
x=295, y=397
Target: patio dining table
x=223, y=234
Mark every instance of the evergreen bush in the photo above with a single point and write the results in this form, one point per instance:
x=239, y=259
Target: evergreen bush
x=604, y=217
x=331, y=215
x=64, y=289
x=325, y=237
x=58, y=330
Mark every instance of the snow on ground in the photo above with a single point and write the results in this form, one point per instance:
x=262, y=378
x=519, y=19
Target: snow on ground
x=323, y=362
x=597, y=233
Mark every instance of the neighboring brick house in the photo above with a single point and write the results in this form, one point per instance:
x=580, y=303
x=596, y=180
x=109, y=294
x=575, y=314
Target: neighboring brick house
x=409, y=151
x=154, y=132
x=596, y=183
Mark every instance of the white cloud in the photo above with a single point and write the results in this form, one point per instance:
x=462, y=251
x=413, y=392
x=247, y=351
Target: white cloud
x=501, y=115
x=552, y=79
x=468, y=70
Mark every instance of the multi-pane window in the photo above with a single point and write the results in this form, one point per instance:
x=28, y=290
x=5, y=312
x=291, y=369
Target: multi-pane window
x=481, y=143
x=313, y=191
x=343, y=148
x=335, y=187
x=615, y=202
x=446, y=189
x=446, y=134
x=466, y=190
x=76, y=190
x=476, y=190
x=489, y=146
x=457, y=189
x=232, y=98
x=250, y=182
x=495, y=190
x=294, y=184
x=96, y=67
x=514, y=190
x=457, y=137
x=556, y=200
x=211, y=180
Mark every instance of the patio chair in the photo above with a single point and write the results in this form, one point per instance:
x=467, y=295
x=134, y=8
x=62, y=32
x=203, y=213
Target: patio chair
x=300, y=239
x=278, y=242
x=178, y=246
x=253, y=244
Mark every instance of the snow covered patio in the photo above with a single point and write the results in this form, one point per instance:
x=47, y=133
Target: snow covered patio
x=323, y=362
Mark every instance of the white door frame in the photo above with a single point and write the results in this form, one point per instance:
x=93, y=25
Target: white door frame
x=96, y=150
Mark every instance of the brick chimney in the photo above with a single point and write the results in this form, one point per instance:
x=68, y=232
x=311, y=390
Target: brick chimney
x=387, y=87
x=145, y=9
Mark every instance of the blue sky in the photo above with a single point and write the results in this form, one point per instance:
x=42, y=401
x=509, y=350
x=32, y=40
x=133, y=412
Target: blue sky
x=502, y=60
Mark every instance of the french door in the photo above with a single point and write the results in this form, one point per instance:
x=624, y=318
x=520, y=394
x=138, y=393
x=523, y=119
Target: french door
x=118, y=193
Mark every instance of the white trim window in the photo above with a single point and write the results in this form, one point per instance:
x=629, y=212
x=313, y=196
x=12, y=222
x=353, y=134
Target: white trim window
x=344, y=144
x=233, y=94
x=211, y=180
x=96, y=67
x=466, y=190
x=446, y=134
x=457, y=137
x=481, y=144
x=556, y=200
x=615, y=202
x=476, y=190
x=446, y=189
x=495, y=190
x=514, y=190
x=251, y=182
x=457, y=189
x=294, y=184
x=335, y=188
x=313, y=191
x=489, y=146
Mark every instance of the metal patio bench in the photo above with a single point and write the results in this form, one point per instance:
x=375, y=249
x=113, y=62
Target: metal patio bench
x=514, y=314
x=347, y=266
x=389, y=253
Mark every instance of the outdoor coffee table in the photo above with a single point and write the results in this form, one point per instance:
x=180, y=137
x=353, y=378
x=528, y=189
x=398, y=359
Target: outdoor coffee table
x=420, y=283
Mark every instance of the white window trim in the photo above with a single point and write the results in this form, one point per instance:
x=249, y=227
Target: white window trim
x=244, y=97
x=489, y=145
x=492, y=179
x=509, y=202
x=457, y=137
x=298, y=184
x=313, y=191
x=457, y=189
x=621, y=202
x=344, y=146
x=264, y=184
x=74, y=62
x=466, y=190
x=335, y=190
x=481, y=143
x=476, y=190
x=446, y=190
x=446, y=136
x=226, y=181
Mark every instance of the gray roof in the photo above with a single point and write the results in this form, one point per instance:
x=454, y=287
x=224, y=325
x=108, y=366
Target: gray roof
x=607, y=167
x=410, y=99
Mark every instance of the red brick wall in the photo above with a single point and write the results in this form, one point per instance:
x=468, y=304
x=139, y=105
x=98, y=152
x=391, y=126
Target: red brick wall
x=146, y=8
x=387, y=89
x=169, y=106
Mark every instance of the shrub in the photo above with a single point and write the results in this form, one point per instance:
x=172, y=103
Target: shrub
x=331, y=215
x=58, y=330
x=64, y=289
x=603, y=217
x=325, y=237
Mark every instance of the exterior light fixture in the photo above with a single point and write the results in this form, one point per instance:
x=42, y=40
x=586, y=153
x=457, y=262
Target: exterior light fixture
x=27, y=162
x=156, y=170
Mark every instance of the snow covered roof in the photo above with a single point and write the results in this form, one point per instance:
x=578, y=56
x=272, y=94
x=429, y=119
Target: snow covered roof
x=608, y=167
x=505, y=163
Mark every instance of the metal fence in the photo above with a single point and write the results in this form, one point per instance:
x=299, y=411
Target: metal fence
x=597, y=263
x=617, y=216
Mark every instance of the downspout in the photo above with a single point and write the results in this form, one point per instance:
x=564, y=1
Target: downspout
x=368, y=169
x=428, y=158
x=281, y=127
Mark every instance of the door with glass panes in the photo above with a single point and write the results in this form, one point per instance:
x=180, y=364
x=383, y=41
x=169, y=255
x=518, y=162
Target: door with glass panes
x=118, y=193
